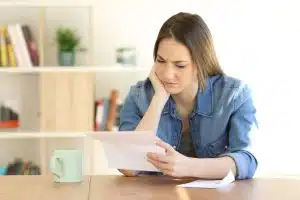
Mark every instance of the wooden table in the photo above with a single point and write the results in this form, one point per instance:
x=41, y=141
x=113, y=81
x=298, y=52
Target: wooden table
x=41, y=188
x=154, y=188
x=157, y=188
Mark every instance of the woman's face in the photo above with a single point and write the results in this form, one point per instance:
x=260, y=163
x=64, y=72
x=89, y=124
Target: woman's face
x=174, y=66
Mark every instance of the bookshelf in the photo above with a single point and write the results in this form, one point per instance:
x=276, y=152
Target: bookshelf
x=43, y=20
x=56, y=102
x=48, y=100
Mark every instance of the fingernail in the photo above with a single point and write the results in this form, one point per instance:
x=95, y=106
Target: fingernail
x=150, y=154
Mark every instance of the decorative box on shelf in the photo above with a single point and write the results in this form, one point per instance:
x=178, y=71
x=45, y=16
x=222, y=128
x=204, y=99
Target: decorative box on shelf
x=9, y=124
x=8, y=118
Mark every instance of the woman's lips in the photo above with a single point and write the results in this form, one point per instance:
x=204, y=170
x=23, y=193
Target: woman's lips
x=169, y=84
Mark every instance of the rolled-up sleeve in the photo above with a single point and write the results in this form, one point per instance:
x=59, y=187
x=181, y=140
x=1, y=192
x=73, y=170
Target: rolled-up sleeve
x=242, y=127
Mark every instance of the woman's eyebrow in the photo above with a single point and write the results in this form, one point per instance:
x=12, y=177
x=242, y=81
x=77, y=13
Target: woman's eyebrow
x=176, y=61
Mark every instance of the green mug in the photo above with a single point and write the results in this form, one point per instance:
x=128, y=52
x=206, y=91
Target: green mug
x=67, y=165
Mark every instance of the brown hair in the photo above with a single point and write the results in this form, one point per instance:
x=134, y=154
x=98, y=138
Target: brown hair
x=192, y=31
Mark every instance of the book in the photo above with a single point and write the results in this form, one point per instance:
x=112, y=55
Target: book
x=111, y=117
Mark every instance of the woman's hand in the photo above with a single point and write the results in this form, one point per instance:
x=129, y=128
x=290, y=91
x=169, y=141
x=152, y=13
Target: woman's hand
x=159, y=89
x=171, y=163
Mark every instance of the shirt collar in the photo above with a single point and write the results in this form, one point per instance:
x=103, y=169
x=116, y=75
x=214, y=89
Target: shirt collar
x=204, y=102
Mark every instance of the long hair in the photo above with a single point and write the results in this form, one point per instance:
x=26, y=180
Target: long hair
x=192, y=31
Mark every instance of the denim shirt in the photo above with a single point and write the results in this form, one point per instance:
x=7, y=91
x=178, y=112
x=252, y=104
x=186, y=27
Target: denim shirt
x=222, y=122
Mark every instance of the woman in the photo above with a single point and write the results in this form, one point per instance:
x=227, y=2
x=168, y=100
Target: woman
x=204, y=118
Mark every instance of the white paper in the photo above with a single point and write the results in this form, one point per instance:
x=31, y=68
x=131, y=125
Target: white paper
x=229, y=178
x=128, y=150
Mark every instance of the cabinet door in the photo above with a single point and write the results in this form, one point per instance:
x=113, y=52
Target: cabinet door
x=66, y=105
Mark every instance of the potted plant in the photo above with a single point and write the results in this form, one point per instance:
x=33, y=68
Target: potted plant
x=67, y=41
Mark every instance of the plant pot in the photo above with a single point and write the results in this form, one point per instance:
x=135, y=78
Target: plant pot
x=66, y=58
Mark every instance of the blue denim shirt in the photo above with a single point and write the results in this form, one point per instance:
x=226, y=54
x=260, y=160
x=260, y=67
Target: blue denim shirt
x=221, y=124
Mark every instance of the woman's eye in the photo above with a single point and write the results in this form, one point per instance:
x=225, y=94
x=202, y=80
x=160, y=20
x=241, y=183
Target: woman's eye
x=180, y=66
x=160, y=61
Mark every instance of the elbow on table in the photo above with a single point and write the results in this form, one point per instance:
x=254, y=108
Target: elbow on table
x=246, y=164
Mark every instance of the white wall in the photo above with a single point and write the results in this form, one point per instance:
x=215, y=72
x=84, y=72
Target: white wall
x=257, y=41
x=134, y=23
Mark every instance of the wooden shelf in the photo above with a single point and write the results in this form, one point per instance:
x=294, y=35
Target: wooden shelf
x=72, y=69
x=37, y=134
x=53, y=3
x=56, y=134
x=9, y=124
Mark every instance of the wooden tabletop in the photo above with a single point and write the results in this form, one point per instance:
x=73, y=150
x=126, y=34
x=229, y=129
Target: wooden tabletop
x=146, y=187
x=156, y=188
x=41, y=187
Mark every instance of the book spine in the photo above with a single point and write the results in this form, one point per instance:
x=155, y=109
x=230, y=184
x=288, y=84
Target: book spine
x=105, y=114
x=99, y=113
x=10, y=51
x=111, y=119
x=4, y=60
x=31, y=45
x=23, y=46
x=15, y=44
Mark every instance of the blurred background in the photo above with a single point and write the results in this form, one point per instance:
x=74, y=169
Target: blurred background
x=256, y=41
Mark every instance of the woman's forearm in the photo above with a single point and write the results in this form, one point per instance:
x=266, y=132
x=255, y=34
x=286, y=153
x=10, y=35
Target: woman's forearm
x=150, y=120
x=211, y=168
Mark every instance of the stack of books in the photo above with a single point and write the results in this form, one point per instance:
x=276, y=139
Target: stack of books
x=106, y=115
x=17, y=46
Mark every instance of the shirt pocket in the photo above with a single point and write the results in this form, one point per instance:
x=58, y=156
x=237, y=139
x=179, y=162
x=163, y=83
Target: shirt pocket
x=217, y=147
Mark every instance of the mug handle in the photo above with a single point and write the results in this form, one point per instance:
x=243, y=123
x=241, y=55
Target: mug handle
x=55, y=162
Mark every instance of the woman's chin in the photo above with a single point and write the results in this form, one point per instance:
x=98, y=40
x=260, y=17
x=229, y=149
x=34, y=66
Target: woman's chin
x=173, y=90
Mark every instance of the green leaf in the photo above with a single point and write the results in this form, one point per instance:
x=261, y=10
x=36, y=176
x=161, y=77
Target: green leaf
x=67, y=39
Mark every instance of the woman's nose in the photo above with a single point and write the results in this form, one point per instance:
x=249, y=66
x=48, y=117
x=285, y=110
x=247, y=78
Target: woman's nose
x=169, y=72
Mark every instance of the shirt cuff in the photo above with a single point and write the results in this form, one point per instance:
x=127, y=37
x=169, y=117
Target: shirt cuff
x=245, y=163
